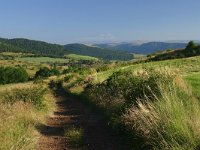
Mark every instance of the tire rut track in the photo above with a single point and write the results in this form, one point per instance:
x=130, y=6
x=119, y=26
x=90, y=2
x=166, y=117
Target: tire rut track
x=72, y=113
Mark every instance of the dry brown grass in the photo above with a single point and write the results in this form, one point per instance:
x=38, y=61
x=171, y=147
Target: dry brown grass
x=170, y=121
x=18, y=121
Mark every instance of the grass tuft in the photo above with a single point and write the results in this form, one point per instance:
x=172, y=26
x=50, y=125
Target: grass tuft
x=75, y=136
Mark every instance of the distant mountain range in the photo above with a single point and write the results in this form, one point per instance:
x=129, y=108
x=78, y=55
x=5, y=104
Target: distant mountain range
x=142, y=48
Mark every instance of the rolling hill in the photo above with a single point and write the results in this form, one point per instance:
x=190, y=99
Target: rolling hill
x=31, y=46
x=81, y=49
x=191, y=49
x=56, y=50
x=142, y=48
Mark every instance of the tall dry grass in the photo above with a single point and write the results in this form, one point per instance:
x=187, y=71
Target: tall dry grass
x=19, y=117
x=154, y=103
x=170, y=120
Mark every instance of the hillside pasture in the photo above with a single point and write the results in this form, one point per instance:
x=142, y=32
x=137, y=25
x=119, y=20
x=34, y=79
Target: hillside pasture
x=80, y=57
x=43, y=59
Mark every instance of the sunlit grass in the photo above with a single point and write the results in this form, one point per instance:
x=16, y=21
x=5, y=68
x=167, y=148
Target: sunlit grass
x=171, y=121
x=19, y=118
x=80, y=57
x=168, y=118
x=42, y=59
x=75, y=136
x=194, y=81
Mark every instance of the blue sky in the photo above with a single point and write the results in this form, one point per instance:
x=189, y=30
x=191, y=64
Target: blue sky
x=68, y=21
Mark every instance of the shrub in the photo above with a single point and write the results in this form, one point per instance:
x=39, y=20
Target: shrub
x=68, y=77
x=58, y=84
x=43, y=72
x=55, y=71
x=191, y=45
x=123, y=89
x=46, y=72
x=13, y=75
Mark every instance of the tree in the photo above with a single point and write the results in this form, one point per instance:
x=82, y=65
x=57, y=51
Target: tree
x=13, y=75
x=54, y=71
x=46, y=72
x=43, y=72
x=191, y=45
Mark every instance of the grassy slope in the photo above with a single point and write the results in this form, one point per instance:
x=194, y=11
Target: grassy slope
x=189, y=68
x=194, y=81
x=186, y=66
x=177, y=118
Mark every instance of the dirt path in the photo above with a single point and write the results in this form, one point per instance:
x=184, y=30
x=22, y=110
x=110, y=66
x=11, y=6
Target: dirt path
x=72, y=113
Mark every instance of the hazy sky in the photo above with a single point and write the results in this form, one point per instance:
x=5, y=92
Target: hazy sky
x=68, y=21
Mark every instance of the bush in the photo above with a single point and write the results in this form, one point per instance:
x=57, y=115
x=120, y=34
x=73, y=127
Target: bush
x=43, y=72
x=13, y=75
x=55, y=71
x=68, y=77
x=191, y=45
x=46, y=72
x=123, y=89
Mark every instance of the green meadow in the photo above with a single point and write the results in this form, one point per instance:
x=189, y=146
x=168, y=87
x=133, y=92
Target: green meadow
x=80, y=57
x=43, y=59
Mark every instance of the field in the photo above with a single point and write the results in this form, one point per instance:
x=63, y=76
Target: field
x=31, y=67
x=80, y=57
x=43, y=59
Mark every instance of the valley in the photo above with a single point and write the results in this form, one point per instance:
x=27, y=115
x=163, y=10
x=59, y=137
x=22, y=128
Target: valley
x=99, y=75
x=82, y=102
